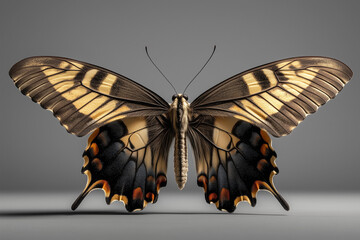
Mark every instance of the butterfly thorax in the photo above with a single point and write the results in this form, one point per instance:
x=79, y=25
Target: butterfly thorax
x=179, y=117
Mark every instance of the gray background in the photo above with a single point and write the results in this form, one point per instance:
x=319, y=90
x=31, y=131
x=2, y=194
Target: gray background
x=318, y=162
x=38, y=154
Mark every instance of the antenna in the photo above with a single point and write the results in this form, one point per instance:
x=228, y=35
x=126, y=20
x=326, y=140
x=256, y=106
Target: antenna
x=200, y=69
x=147, y=53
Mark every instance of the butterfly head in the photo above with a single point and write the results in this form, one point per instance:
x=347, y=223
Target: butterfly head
x=179, y=96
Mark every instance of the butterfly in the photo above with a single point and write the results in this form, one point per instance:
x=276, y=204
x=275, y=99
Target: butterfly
x=228, y=126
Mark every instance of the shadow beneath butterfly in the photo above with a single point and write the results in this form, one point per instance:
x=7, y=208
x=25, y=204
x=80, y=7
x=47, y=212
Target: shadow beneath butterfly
x=41, y=213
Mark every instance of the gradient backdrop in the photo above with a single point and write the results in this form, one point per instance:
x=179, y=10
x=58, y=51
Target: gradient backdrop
x=321, y=154
x=38, y=155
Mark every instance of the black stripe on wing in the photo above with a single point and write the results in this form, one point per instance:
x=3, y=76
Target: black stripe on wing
x=81, y=95
x=276, y=96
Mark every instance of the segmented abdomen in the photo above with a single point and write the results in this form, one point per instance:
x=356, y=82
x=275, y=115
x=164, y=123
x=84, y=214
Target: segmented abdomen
x=180, y=159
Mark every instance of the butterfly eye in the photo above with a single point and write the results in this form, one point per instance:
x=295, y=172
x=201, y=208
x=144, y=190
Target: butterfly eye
x=186, y=97
x=174, y=96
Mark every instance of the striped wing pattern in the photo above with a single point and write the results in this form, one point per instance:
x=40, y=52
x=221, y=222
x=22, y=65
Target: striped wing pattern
x=276, y=96
x=83, y=96
x=234, y=159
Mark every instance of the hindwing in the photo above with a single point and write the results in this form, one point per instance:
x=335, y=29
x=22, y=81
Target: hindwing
x=234, y=159
x=128, y=159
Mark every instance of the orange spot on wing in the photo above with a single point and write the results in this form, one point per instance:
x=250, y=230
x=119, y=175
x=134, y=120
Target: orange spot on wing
x=97, y=164
x=213, y=179
x=261, y=164
x=160, y=182
x=212, y=197
x=202, y=181
x=150, y=178
x=224, y=194
x=264, y=149
x=137, y=193
x=94, y=148
x=265, y=136
x=151, y=196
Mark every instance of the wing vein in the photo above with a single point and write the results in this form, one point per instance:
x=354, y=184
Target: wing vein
x=304, y=90
x=278, y=108
x=269, y=116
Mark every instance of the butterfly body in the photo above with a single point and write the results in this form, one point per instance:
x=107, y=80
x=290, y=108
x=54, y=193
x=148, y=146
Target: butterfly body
x=228, y=126
x=179, y=117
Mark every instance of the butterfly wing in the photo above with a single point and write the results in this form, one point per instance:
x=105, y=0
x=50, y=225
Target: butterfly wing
x=234, y=159
x=81, y=95
x=276, y=96
x=233, y=152
x=127, y=158
x=127, y=153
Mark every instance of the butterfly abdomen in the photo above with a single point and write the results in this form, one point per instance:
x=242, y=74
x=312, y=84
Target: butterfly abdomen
x=179, y=115
x=180, y=159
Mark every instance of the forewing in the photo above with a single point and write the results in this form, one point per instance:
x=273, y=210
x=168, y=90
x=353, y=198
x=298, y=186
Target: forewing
x=234, y=159
x=276, y=96
x=128, y=160
x=83, y=96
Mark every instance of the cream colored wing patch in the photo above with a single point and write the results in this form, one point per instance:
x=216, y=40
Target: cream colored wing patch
x=276, y=96
x=83, y=96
